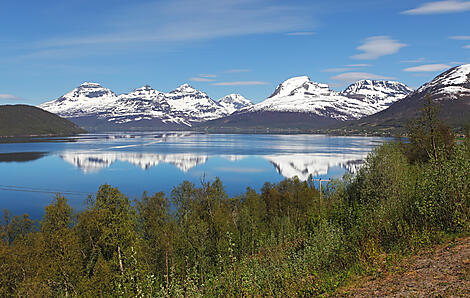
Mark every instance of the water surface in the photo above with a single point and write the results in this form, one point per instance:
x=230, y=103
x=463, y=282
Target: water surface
x=32, y=172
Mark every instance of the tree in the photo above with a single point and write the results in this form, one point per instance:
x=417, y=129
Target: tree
x=428, y=134
x=61, y=257
x=156, y=226
x=107, y=231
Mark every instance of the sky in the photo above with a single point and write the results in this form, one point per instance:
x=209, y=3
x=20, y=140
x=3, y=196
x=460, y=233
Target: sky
x=47, y=48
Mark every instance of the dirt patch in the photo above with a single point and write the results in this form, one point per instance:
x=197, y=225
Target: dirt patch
x=441, y=272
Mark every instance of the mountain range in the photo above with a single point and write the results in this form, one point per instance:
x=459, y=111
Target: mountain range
x=450, y=90
x=295, y=103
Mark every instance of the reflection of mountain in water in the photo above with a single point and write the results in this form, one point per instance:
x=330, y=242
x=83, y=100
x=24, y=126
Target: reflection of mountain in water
x=300, y=165
x=93, y=162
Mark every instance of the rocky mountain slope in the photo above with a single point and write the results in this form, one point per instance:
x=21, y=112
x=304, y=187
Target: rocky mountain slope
x=234, y=102
x=379, y=95
x=296, y=103
x=91, y=105
x=301, y=103
x=451, y=90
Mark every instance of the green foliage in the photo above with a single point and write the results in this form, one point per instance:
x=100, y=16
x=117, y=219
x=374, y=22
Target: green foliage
x=428, y=134
x=286, y=240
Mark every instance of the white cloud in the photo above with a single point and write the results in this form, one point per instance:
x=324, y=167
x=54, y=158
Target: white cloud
x=306, y=33
x=238, y=70
x=201, y=80
x=460, y=37
x=9, y=97
x=377, y=46
x=357, y=76
x=427, y=68
x=189, y=20
x=339, y=69
x=359, y=65
x=437, y=7
x=241, y=83
x=467, y=47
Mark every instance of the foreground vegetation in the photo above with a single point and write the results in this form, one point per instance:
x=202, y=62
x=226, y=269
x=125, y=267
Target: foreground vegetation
x=286, y=240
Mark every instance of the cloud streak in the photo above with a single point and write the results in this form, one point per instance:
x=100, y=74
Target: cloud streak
x=306, y=33
x=339, y=69
x=427, y=68
x=460, y=37
x=357, y=76
x=439, y=7
x=9, y=97
x=377, y=46
x=196, y=79
x=240, y=83
x=188, y=20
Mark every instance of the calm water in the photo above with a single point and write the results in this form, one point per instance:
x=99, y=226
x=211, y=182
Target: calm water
x=30, y=173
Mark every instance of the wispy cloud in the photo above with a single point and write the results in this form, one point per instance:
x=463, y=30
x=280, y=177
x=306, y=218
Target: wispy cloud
x=417, y=60
x=188, y=20
x=208, y=75
x=460, y=37
x=197, y=79
x=237, y=70
x=438, y=7
x=240, y=83
x=467, y=47
x=357, y=76
x=427, y=68
x=305, y=33
x=377, y=46
x=339, y=69
x=359, y=65
x=9, y=97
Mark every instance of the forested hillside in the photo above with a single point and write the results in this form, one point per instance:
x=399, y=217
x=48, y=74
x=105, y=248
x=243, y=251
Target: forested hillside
x=286, y=240
x=24, y=120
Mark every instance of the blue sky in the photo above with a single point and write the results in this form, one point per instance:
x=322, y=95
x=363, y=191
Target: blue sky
x=47, y=47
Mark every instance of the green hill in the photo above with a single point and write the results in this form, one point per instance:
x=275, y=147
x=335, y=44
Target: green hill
x=24, y=120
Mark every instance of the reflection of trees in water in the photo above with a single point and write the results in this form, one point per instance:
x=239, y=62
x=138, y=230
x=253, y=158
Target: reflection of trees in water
x=21, y=156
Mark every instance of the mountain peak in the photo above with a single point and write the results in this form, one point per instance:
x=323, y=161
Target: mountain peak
x=379, y=94
x=145, y=88
x=90, y=85
x=234, y=102
x=186, y=88
x=289, y=85
x=451, y=84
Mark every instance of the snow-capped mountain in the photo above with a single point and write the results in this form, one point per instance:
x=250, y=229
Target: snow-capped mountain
x=234, y=102
x=451, y=90
x=300, y=94
x=379, y=95
x=193, y=105
x=88, y=98
x=297, y=102
x=451, y=84
x=182, y=106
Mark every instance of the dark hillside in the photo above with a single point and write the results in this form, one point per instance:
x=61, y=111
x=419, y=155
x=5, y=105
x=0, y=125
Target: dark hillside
x=24, y=120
